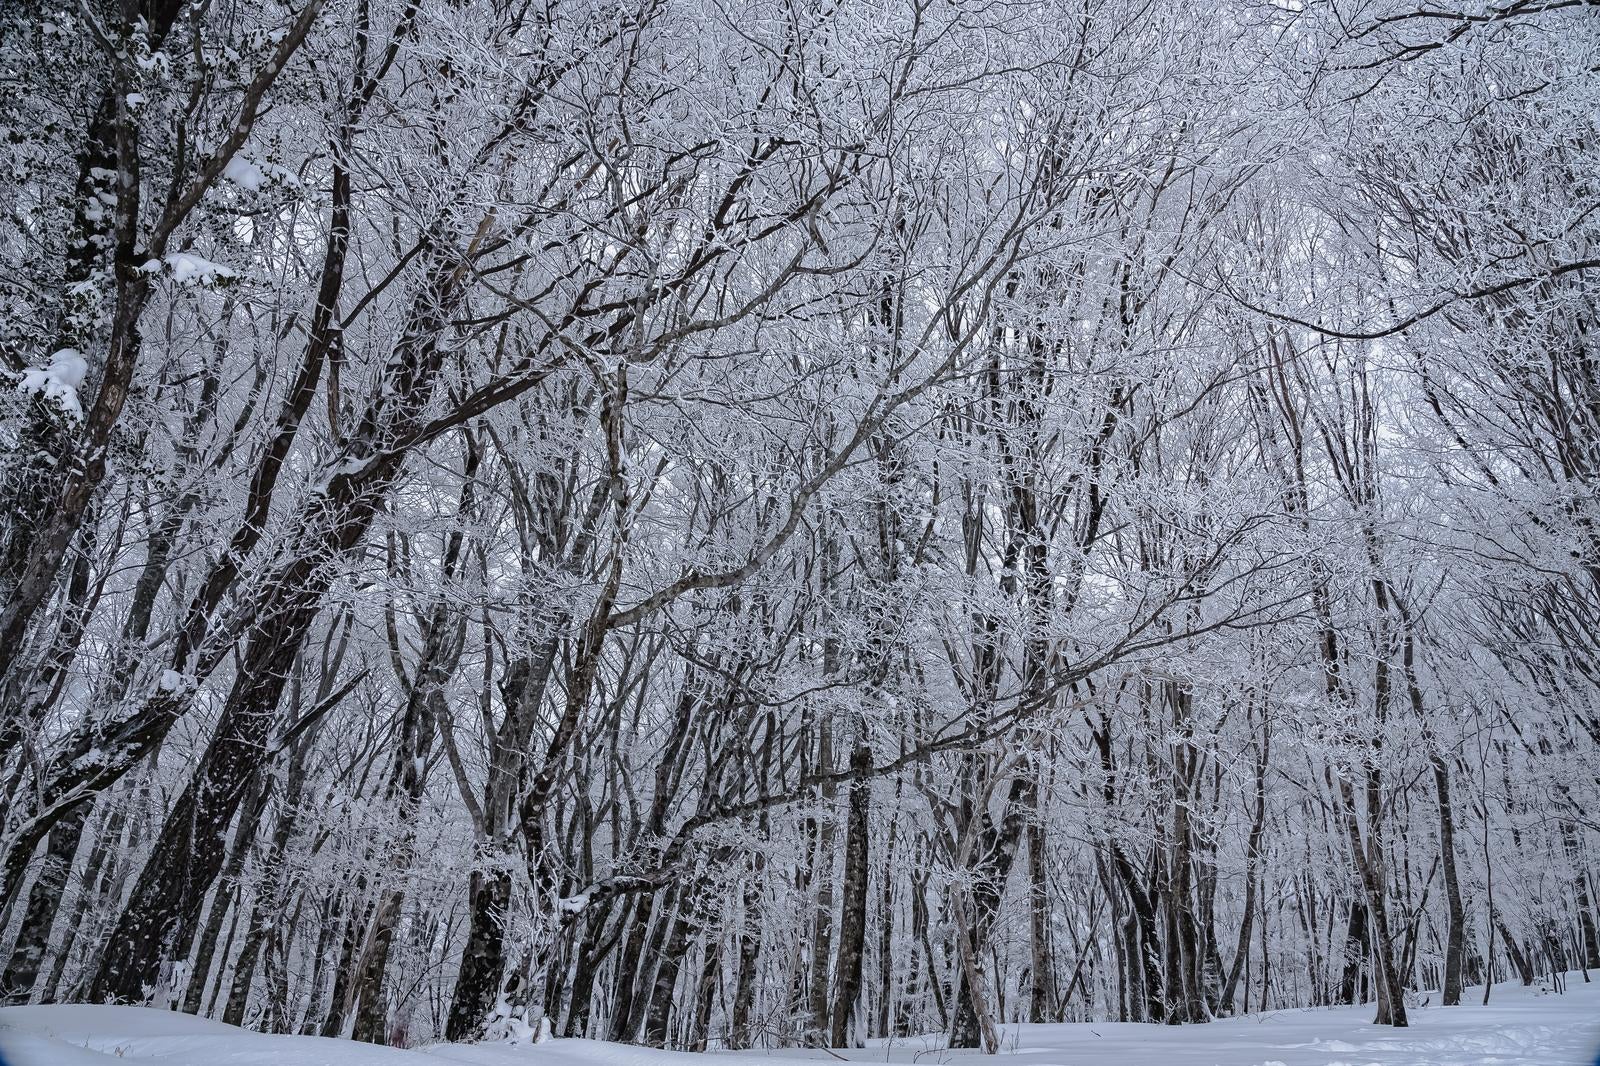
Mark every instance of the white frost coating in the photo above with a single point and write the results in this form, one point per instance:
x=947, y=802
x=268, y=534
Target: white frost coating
x=59, y=381
x=172, y=681
x=190, y=269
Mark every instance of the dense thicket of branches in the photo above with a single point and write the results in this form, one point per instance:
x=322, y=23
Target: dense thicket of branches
x=791, y=522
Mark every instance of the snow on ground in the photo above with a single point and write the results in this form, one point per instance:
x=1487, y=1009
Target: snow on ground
x=1520, y=1027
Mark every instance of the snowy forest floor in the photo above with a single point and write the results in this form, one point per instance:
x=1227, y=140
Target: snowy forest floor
x=1520, y=1026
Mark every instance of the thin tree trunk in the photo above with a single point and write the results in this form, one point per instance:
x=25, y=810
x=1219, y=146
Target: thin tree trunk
x=705, y=991
x=853, y=913
x=886, y=930
x=975, y=993
x=1456, y=929
x=1519, y=958
x=1252, y=876
x=822, y=877
x=263, y=913
x=740, y=1035
x=1041, y=966
x=328, y=926
x=1355, y=951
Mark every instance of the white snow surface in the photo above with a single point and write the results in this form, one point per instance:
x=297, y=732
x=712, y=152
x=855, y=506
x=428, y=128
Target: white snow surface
x=1520, y=1026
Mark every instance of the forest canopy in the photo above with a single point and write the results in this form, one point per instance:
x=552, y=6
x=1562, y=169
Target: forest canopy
x=787, y=522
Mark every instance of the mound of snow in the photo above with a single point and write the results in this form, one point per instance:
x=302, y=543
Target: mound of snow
x=188, y=268
x=59, y=381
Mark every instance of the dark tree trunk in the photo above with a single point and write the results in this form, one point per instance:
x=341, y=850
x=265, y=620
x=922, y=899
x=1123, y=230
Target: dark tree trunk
x=1041, y=965
x=264, y=914
x=406, y=783
x=1519, y=957
x=206, y=947
x=1367, y=854
x=275, y=1012
x=244, y=967
x=628, y=976
x=1252, y=876
x=1355, y=953
x=49, y=885
x=166, y=901
x=853, y=916
x=1588, y=937
x=372, y=1010
x=1143, y=943
x=328, y=927
x=930, y=961
x=668, y=964
x=226, y=894
x=342, y=1001
x=886, y=935
x=227, y=949
x=650, y=959
x=997, y=851
x=483, y=961
x=188, y=855
x=592, y=952
x=95, y=888
x=822, y=878
x=705, y=993
x=740, y=1035
x=1456, y=929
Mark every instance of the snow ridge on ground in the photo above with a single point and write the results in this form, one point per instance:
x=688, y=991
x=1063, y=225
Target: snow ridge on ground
x=1520, y=1027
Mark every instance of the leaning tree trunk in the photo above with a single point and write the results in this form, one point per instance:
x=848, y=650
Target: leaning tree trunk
x=189, y=854
x=997, y=846
x=227, y=894
x=94, y=887
x=1519, y=957
x=264, y=910
x=49, y=885
x=1368, y=860
x=333, y=521
x=667, y=967
x=628, y=976
x=593, y=948
x=408, y=780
